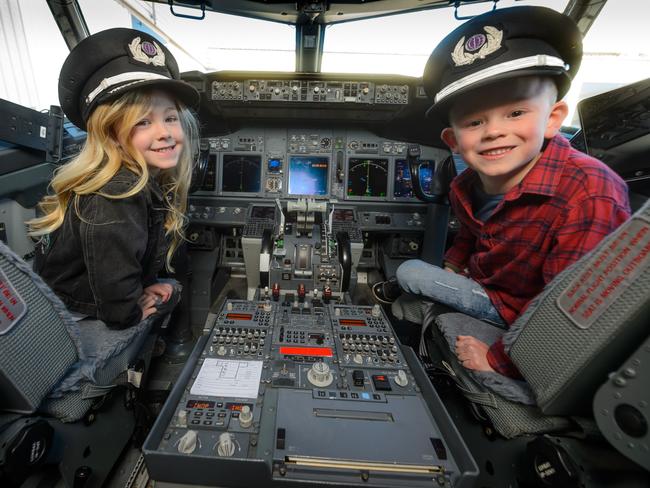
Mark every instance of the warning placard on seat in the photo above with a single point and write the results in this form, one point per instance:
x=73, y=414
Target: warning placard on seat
x=12, y=306
x=609, y=272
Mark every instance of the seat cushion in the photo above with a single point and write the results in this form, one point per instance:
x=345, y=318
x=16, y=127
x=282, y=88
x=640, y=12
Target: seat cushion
x=507, y=403
x=39, y=340
x=451, y=325
x=108, y=354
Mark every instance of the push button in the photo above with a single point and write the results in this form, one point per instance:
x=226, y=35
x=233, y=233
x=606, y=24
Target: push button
x=381, y=382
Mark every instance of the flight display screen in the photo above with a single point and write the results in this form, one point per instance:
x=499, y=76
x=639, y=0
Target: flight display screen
x=403, y=184
x=265, y=213
x=367, y=177
x=241, y=174
x=308, y=175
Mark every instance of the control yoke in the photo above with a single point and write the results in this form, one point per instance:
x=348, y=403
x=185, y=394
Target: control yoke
x=441, y=175
x=200, y=169
x=345, y=258
x=437, y=220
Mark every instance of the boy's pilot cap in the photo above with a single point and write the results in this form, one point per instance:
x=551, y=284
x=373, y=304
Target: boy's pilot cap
x=107, y=64
x=502, y=44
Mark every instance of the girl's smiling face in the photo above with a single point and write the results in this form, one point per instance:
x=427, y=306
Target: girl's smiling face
x=159, y=135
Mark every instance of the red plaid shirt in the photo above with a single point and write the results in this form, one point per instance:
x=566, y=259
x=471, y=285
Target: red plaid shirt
x=561, y=209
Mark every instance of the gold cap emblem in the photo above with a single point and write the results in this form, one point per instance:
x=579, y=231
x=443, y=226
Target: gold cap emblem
x=477, y=46
x=148, y=52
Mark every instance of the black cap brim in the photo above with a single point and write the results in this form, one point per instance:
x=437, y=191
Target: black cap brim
x=180, y=90
x=440, y=110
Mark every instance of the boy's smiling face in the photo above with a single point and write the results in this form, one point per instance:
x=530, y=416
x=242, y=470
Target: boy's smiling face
x=499, y=130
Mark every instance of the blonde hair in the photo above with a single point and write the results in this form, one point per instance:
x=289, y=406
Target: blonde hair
x=107, y=149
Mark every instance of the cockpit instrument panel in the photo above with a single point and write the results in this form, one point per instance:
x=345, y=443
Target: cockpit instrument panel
x=271, y=163
x=241, y=173
x=327, y=91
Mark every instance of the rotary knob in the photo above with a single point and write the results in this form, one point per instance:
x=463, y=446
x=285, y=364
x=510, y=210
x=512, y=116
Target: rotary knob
x=226, y=445
x=320, y=375
x=245, y=417
x=401, y=379
x=187, y=444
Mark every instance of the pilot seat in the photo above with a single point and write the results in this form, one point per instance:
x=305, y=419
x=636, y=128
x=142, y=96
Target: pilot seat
x=585, y=335
x=68, y=388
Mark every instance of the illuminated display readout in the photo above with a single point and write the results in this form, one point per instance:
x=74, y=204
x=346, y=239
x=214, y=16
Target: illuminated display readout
x=367, y=177
x=199, y=404
x=241, y=174
x=237, y=407
x=353, y=322
x=308, y=175
x=275, y=165
x=239, y=316
x=403, y=184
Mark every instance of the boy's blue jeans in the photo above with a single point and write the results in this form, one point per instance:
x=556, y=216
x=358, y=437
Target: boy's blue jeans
x=451, y=289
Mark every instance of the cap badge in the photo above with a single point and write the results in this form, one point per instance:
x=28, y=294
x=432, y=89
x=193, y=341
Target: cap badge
x=147, y=52
x=477, y=46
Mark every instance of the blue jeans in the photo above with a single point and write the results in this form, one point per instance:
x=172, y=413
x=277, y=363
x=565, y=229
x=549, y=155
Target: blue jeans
x=451, y=289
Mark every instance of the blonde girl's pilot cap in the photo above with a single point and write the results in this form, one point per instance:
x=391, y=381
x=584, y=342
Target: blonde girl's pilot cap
x=109, y=63
x=498, y=45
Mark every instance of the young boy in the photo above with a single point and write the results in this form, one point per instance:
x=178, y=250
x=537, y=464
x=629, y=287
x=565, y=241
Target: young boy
x=529, y=205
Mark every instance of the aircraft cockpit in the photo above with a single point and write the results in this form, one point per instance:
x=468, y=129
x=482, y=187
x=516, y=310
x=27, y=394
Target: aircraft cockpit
x=282, y=361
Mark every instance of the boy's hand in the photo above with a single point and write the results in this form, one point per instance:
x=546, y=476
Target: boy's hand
x=159, y=291
x=472, y=353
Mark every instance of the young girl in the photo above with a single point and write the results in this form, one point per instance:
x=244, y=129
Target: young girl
x=117, y=212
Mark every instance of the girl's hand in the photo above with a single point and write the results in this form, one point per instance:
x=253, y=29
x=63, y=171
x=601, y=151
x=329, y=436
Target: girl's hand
x=147, y=302
x=161, y=292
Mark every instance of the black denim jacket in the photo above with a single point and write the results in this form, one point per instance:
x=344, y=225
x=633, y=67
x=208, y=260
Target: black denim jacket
x=99, y=264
